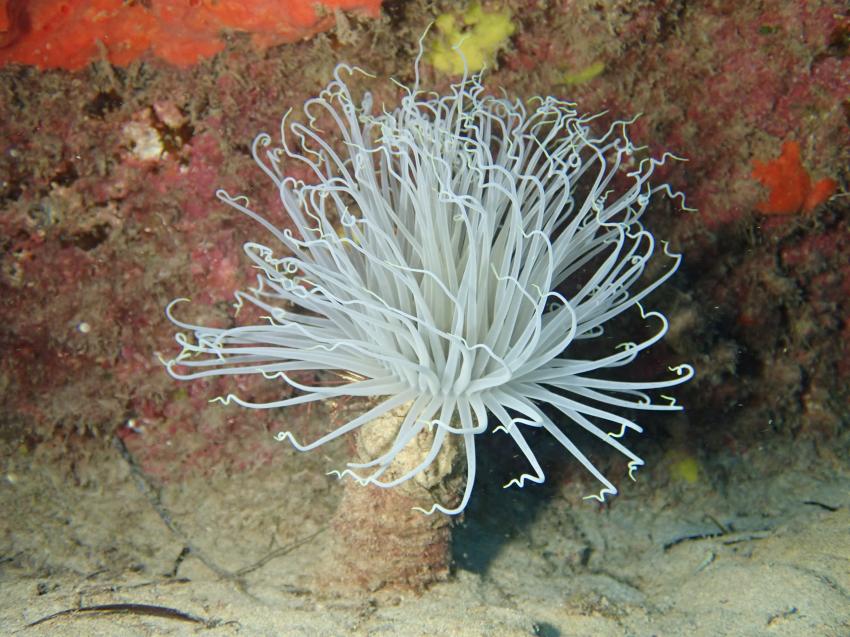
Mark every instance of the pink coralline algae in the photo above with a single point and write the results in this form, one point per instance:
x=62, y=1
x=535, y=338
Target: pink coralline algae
x=717, y=82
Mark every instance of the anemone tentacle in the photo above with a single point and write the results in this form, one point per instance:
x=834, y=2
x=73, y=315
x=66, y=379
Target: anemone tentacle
x=445, y=260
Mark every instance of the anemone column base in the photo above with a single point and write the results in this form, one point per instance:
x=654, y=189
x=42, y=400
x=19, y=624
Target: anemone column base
x=380, y=541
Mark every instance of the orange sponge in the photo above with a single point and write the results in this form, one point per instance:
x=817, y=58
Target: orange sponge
x=70, y=33
x=791, y=188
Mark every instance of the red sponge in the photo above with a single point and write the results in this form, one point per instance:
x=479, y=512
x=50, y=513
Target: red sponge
x=70, y=33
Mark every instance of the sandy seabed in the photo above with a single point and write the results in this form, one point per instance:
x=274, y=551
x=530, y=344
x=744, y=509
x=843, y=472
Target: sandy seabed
x=758, y=546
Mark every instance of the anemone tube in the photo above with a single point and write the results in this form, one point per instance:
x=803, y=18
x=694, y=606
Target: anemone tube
x=425, y=267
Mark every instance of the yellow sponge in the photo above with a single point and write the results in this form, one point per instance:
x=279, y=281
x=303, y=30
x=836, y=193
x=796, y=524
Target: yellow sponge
x=684, y=468
x=475, y=36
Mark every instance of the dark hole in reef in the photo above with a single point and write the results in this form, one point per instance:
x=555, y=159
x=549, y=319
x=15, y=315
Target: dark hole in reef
x=86, y=240
x=102, y=103
x=545, y=629
x=749, y=363
x=66, y=176
x=395, y=11
x=173, y=139
x=839, y=40
x=10, y=189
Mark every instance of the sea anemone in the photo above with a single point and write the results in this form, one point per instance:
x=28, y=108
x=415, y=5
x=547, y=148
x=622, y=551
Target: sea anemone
x=446, y=262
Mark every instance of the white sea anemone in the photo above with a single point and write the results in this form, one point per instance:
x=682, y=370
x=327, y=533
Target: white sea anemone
x=445, y=264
